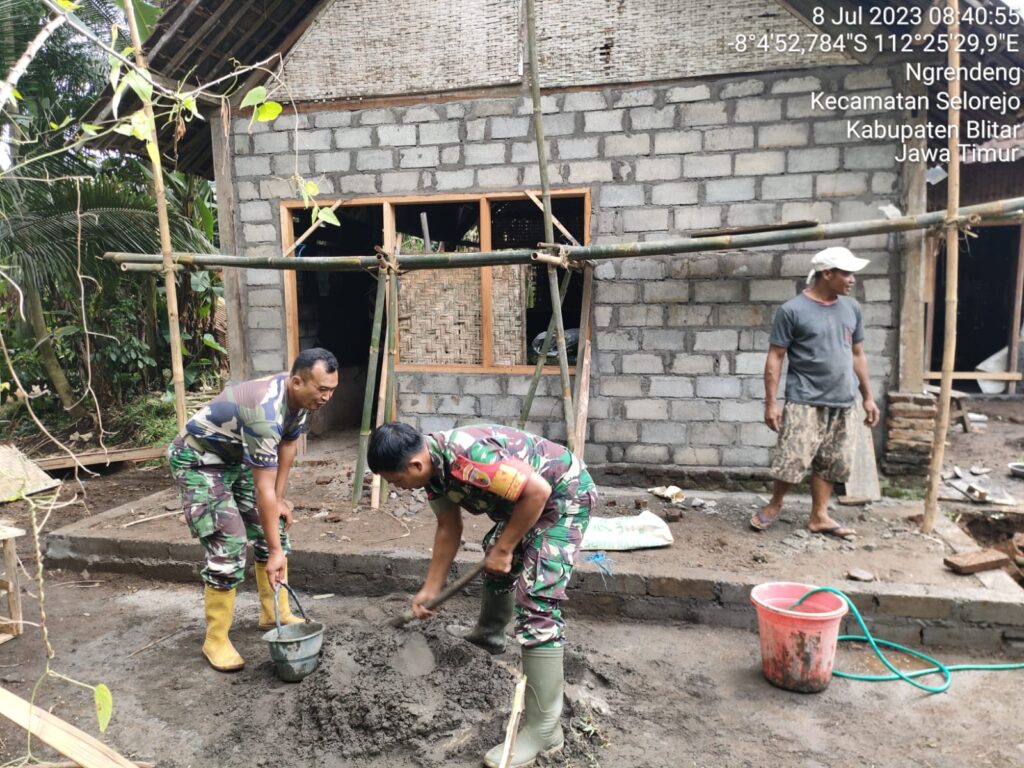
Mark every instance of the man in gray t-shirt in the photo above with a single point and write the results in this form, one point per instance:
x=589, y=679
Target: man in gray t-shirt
x=821, y=332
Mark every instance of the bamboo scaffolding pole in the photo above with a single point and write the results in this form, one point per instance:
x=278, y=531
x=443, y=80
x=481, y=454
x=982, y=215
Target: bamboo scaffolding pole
x=545, y=348
x=931, y=503
x=583, y=357
x=388, y=385
x=1001, y=210
x=549, y=232
x=177, y=364
x=371, y=388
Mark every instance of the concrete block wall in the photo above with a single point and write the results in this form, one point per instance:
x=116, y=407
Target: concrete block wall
x=679, y=342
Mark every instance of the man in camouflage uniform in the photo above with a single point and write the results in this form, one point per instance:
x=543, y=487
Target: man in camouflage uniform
x=231, y=467
x=539, y=496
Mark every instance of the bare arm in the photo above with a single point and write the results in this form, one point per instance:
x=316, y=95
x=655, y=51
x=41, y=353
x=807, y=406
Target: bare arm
x=772, y=376
x=447, y=540
x=268, y=509
x=860, y=368
x=286, y=452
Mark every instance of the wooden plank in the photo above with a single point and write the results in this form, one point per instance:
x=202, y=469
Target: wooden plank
x=486, y=287
x=976, y=376
x=979, y=560
x=752, y=229
x=291, y=292
x=582, y=394
x=20, y=476
x=69, y=741
x=103, y=457
x=863, y=482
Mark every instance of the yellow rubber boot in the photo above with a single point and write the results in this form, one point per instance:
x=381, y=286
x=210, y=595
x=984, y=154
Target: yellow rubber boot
x=220, y=612
x=267, y=600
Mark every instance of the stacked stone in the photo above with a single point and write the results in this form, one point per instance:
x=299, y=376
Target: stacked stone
x=911, y=424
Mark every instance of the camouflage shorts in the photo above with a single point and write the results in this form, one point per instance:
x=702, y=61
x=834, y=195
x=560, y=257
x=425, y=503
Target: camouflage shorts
x=541, y=567
x=219, y=501
x=813, y=438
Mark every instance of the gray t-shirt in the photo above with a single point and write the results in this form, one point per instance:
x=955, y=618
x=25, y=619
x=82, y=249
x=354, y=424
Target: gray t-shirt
x=819, y=339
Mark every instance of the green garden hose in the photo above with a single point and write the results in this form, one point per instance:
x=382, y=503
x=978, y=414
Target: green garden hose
x=938, y=668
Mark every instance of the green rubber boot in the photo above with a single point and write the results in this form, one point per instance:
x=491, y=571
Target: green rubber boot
x=495, y=614
x=542, y=733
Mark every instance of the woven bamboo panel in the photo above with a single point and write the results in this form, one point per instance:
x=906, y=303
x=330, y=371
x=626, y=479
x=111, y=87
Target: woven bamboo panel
x=586, y=41
x=405, y=46
x=439, y=317
x=508, y=302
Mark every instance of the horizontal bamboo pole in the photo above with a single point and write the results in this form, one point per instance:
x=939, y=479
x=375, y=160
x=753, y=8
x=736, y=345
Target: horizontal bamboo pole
x=998, y=209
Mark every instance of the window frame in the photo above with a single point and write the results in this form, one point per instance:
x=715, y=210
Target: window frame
x=484, y=199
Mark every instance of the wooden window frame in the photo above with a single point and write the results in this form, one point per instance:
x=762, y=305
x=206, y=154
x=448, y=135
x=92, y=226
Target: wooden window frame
x=484, y=199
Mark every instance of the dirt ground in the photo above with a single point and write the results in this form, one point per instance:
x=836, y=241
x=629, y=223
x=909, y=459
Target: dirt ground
x=642, y=695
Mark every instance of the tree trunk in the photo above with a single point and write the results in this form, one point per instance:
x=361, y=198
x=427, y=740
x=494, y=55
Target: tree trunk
x=47, y=355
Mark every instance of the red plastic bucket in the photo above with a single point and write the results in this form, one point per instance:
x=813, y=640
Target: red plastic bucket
x=798, y=645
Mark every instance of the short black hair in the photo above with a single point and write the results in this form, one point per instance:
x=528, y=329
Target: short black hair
x=392, y=447
x=308, y=358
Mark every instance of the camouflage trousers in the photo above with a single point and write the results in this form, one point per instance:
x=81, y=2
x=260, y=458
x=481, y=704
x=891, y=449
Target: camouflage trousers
x=542, y=564
x=219, y=501
x=813, y=438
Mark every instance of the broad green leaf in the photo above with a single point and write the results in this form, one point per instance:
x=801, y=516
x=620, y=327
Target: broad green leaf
x=67, y=5
x=104, y=705
x=140, y=84
x=142, y=125
x=256, y=96
x=154, y=154
x=267, y=111
x=327, y=215
x=118, y=93
x=90, y=129
x=211, y=342
x=125, y=129
x=189, y=103
x=115, y=70
x=312, y=188
x=53, y=125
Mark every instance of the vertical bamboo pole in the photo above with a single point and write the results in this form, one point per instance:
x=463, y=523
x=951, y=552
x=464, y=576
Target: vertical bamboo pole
x=177, y=366
x=538, y=371
x=371, y=388
x=582, y=393
x=549, y=232
x=380, y=490
x=952, y=279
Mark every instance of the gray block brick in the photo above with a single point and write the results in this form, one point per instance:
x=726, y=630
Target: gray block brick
x=526, y=151
x=642, y=363
x=746, y=456
x=751, y=214
x=757, y=434
x=819, y=159
x=259, y=233
x=774, y=291
x=642, y=269
x=581, y=102
x=677, y=193
x=697, y=457
x=690, y=316
x=375, y=117
x=616, y=431
x=759, y=163
x=758, y=110
x=396, y=135
x=712, y=433
x=265, y=297
x=748, y=363
x=841, y=184
x=615, y=293
x=419, y=157
x=752, y=87
x=686, y=93
x=645, y=219
x=314, y=140
x=649, y=118
x=647, y=454
x=584, y=172
x=716, y=341
x=498, y=178
x=332, y=119
x=733, y=137
x=621, y=386
x=697, y=217
x=881, y=156
x=704, y=113
x=267, y=362
x=671, y=340
x=374, y=159
x=264, y=318
x=642, y=315
x=647, y=409
x=439, y=133
x=694, y=410
x=353, y=138
x=745, y=315
x=270, y=143
x=729, y=190
x=603, y=121
x=621, y=145
x=641, y=97
x=663, y=433
x=621, y=195
x=577, y=148
x=290, y=164
x=451, y=155
x=837, y=131
x=332, y=162
x=548, y=105
x=671, y=386
x=783, y=135
x=666, y=292
x=354, y=185
x=500, y=408
x=485, y=154
x=717, y=387
x=264, y=340
x=420, y=115
x=509, y=127
x=560, y=125
x=883, y=183
x=691, y=363
x=717, y=291
x=247, y=190
x=652, y=169
x=252, y=166
x=257, y=210
x=617, y=341
x=733, y=410
x=476, y=130
x=790, y=186
x=454, y=179
x=400, y=181
x=706, y=166
x=820, y=212
x=677, y=142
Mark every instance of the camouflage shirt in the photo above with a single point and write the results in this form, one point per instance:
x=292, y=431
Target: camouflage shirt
x=246, y=423
x=484, y=468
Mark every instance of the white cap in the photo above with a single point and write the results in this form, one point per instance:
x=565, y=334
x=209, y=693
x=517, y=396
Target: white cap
x=835, y=257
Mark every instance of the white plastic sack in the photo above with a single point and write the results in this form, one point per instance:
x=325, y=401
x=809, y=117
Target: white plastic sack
x=643, y=531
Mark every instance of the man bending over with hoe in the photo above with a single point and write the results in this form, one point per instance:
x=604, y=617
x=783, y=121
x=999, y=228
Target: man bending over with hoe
x=231, y=466
x=539, y=495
